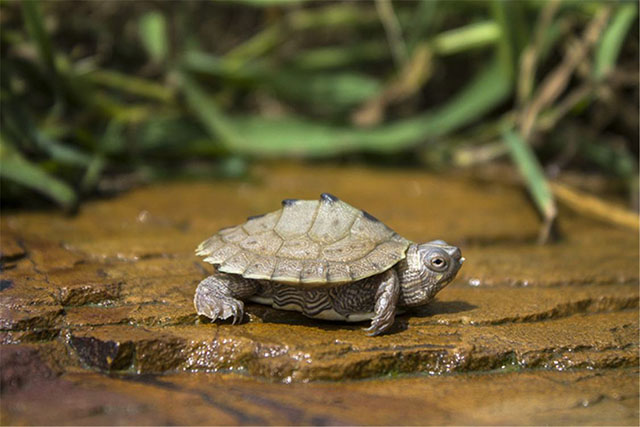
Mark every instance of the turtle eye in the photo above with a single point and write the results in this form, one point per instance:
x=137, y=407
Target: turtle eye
x=438, y=263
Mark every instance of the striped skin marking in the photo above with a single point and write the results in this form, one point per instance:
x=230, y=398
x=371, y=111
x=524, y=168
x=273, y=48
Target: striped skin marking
x=309, y=302
x=329, y=314
x=352, y=302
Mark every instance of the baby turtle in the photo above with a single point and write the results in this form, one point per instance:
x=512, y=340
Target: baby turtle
x=325, y=259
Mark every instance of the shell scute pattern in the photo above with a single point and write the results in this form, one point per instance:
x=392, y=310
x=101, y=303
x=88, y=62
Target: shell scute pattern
x=333, y=221
x=238, y=262
x=308, y=242
x=261, y=223
x=287, y=270
x=267, y=243
x=361, y=267
x=314, y=271
x=384, y=254
x=338, y=272
x=301, y=248
x=366, y=228
x=233, y=234
x=209, y=246
x=348, y=249
x=296, y=219
x=261, y=267
x=222, y=254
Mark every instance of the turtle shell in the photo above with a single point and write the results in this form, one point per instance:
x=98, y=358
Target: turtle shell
x=308, y=242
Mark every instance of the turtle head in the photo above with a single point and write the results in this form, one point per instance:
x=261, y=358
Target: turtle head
x=427, y=269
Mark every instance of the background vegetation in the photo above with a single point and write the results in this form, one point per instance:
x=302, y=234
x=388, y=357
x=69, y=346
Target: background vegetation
x=99, y=96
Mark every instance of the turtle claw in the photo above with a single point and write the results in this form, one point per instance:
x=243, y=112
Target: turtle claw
x=379, y=325
x=231, y=307
x=222, y=308
x=237, y=310
x=214, y=303
x=371, y=331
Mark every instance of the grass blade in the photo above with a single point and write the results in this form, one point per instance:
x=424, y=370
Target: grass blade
x=533, y=175
x=295, y=136
x=505, y=48
x=14, y=167
x=153, y=34
x=468, y=37
x=302, y=19
x=19, y=123
x=270, y=3
x=205, y=108
x=35, y=26
x=610, y=44
x=113, y=137
x=130, y=84
x=487, y=90
x=331, y=91
x=421, y=22
x=595, y=207
x=341, y=56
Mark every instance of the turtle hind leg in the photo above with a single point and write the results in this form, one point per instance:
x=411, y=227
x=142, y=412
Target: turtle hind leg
x=219, y=296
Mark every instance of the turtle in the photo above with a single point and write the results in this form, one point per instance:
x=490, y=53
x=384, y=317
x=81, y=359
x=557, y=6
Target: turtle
x=323, y=258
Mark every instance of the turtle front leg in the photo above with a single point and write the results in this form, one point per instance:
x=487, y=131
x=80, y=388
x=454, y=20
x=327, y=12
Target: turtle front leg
x=217, y=296
x=386, y=302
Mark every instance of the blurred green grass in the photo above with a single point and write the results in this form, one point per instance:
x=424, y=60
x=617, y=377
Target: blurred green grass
x=96, y=97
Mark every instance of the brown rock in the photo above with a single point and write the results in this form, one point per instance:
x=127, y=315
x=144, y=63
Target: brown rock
x=527, y=330
x=10, y=247
x=121, y=347
x=18, y=314
x=20, y=365
x=513, y=398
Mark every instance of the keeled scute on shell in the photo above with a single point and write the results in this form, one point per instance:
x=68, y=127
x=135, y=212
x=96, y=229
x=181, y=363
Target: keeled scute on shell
x=308, y=242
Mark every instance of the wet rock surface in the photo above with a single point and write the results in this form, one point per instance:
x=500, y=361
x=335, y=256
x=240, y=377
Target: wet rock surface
x=97, y=322
x=546, y=397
